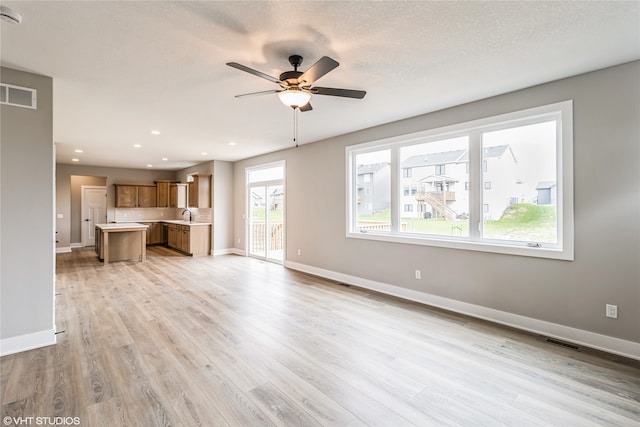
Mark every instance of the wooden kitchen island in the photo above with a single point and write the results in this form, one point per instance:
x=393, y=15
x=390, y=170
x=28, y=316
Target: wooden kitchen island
x=121, y=242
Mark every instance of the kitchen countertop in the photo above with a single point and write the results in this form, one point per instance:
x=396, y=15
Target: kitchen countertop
x=167, y=221
x=121, y=226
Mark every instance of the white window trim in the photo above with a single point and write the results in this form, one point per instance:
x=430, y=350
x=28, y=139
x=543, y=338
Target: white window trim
x=564, y=156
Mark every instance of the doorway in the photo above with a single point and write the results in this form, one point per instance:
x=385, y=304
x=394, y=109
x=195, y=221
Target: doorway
x=266, y=202
x=94, y=211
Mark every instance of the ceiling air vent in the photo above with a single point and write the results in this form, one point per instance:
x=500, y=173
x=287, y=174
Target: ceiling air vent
x=18, y=96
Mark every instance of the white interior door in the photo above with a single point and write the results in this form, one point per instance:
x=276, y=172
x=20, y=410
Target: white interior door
x=94, y=211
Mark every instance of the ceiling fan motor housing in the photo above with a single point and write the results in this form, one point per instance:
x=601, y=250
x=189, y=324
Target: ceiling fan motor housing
x=290, y=77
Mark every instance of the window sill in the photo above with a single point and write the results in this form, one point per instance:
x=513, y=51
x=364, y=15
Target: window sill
x=565, y=254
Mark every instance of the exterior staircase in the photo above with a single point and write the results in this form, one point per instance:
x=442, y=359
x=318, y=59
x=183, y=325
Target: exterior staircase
x=438, y=205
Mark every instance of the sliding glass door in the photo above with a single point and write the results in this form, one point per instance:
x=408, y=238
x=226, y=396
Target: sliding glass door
x=266, y=213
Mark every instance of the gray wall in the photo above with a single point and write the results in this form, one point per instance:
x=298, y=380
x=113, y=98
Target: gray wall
x=571, y=294
x=27, y=212
x=221, y=200
x=222, y=206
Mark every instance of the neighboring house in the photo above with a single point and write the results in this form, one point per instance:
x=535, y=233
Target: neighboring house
x=374, y=191
x=436, y=185
x=547, y=192
x=277, y=198
x=431, y=184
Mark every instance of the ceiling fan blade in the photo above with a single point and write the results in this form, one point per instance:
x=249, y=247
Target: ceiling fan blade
x=345, y=93
x=317, y=70
x=306, y=107
x=264, y=92
x=252, y=71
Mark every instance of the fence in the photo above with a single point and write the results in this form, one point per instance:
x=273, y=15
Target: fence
x=378, y=225
x=258, y=236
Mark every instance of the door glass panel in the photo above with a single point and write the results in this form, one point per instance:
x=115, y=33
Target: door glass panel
x=275, y=217
x=257, y=224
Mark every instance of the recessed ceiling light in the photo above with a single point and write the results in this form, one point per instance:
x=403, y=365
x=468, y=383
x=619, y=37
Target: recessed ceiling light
x=155, y=132
x=164, y=159
x=149, y=166
x=232, y=143
x=75, y=160
x=204, y=153
x=137, y=145
x=78, y=151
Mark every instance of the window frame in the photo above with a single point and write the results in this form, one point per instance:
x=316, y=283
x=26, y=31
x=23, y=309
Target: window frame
x=564, y=250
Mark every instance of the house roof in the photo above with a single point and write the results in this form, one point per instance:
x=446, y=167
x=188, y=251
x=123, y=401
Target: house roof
x=545, y=185
x=438, y=178
x=434, y=159
x=373, y=168
x=447, y=157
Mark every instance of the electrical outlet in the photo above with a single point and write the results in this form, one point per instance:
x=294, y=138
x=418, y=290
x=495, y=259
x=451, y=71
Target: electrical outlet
x=299, y=252
x=612, y=311
x=238, y=240
x=418, y=274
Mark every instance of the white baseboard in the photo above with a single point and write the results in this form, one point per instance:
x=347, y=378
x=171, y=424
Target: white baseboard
x=63, y=250
x=226, y=251
x=27, y=342
x=237, y=251
x=77, y=245
x=581, y=337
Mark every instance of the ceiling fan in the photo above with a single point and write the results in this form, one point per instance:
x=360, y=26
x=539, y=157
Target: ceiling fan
x=296, y=86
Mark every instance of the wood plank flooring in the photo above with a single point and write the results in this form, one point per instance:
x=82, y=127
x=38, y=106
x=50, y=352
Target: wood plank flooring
x=233, y=341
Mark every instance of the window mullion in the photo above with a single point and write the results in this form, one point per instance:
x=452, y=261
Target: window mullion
x=475, y=186
x=396, y=193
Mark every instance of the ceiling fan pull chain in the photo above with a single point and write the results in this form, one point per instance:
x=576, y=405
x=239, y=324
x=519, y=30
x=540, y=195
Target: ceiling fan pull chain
x=295, y=126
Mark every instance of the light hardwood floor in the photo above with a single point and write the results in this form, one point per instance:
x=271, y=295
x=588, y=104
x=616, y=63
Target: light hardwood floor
x=235, y=341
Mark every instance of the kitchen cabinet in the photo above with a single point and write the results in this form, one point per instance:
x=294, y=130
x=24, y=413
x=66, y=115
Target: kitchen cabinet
x=178, y=195
x=162, y=194
x=135, y=196
x=190, y=239
x=119, y=242
x=147, y=196
x=185, y=245
x=172, y=236
x=200, y=191
x=155, y=235
x=126, y=196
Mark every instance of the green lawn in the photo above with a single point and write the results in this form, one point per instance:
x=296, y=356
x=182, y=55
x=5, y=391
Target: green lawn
x=526, y=222
x=258, y=215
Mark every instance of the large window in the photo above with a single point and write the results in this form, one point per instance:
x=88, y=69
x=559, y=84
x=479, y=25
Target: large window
x=501, y=184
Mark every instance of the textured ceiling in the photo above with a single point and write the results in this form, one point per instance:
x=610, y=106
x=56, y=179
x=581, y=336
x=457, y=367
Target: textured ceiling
x=122, y=69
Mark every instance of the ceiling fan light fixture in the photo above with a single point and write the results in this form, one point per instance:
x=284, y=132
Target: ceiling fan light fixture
x=294, y=97
x=10, y=15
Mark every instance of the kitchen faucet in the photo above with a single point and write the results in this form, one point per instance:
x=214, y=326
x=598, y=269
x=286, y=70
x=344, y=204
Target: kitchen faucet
x=187, y=210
